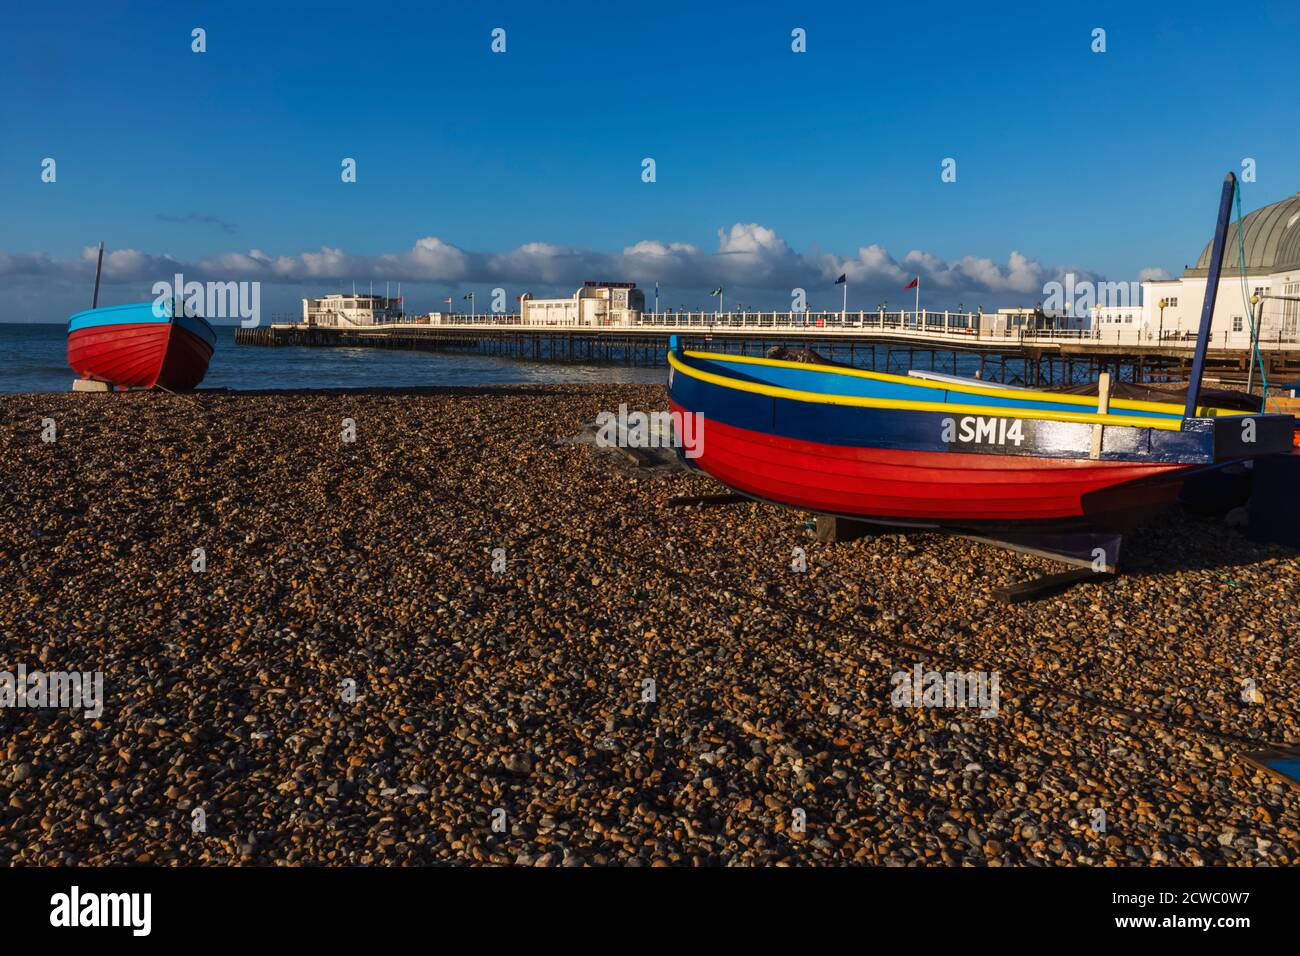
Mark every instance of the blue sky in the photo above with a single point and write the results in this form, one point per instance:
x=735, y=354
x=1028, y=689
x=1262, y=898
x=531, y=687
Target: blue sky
x=523, y=169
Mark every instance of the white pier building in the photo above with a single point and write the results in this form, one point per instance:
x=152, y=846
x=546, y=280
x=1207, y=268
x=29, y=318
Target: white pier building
x=596, y=303
x=1170, y=309
x=347, y=310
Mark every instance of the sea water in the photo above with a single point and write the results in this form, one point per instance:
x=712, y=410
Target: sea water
x=33, y=359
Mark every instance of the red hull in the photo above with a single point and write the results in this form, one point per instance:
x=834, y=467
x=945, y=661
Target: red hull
x=140, y=355
x=946, y=488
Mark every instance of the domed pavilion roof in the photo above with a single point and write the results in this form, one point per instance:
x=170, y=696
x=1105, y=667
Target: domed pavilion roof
x=1272, y=240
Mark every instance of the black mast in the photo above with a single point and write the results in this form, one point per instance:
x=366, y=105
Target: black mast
x=94, y=303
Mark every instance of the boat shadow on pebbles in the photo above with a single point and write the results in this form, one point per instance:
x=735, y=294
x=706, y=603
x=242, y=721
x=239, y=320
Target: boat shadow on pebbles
x=624, y=449
x=1171, y=543
x=1180, y=540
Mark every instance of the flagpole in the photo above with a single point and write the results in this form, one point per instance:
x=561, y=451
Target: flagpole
x=844, y=312
x=918, y=302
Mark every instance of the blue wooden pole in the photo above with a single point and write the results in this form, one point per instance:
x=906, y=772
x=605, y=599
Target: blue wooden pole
x=1211, y=291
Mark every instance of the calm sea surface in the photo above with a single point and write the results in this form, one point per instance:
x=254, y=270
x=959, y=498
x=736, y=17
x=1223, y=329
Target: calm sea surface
x=33, y=359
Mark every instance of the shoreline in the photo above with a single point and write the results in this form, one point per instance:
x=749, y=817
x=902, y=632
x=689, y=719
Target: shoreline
x=524, y=690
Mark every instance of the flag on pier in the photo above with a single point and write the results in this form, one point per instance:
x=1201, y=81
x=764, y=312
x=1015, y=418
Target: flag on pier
x=468, y=295
x=916, y=284
x=843, y=278
x=447, y=301
x=717, y=291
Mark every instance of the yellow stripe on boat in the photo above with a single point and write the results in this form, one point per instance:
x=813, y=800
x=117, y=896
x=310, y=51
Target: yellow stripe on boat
x=902, y=404
x=1012, y=394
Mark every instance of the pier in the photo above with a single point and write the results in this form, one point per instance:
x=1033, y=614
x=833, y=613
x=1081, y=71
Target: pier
x=950, y=342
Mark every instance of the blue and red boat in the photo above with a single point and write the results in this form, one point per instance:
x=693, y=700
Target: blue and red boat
x=142, y=345
x=1056, y=472
x=868, y=445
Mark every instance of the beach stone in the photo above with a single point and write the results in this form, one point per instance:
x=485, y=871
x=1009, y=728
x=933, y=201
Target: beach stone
x=522, y=690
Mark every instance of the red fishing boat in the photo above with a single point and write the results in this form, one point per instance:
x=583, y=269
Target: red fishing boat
x=142, y=345
x=1060, y=473
x=135, y=346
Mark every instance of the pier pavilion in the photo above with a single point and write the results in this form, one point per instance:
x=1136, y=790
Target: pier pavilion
x=351, y=310
x=596, y=303
x=1171, y=308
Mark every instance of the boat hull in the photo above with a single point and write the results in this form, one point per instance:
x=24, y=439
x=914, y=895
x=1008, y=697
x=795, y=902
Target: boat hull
x=875, y=447
x=979, y=492
x=129, y=346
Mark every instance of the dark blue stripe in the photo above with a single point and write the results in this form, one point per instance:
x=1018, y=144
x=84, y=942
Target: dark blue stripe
x=925, y=431
x=197, y=325
x=830, y=382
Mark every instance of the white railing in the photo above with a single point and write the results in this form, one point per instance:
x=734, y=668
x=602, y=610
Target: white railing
x=924, y=326
x=1150, y=338
x=960, y=323
x=490, y=319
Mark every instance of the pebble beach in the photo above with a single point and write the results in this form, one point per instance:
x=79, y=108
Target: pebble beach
x=465, y=635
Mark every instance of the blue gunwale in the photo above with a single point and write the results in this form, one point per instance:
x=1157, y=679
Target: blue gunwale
x=140, y=313
x=844, y=386
x=868, y=422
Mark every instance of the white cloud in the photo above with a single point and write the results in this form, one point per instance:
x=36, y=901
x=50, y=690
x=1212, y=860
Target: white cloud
x=749, y=257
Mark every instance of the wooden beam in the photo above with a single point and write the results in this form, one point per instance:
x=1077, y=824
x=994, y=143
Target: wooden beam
x=831, y=529
x=1044, y=585
x=688, y=501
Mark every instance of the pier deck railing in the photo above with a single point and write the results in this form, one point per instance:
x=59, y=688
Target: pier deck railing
x=924, y=327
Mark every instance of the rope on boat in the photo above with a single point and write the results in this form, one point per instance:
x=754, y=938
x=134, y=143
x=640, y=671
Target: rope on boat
x=164, y=388
x=1250, y=308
